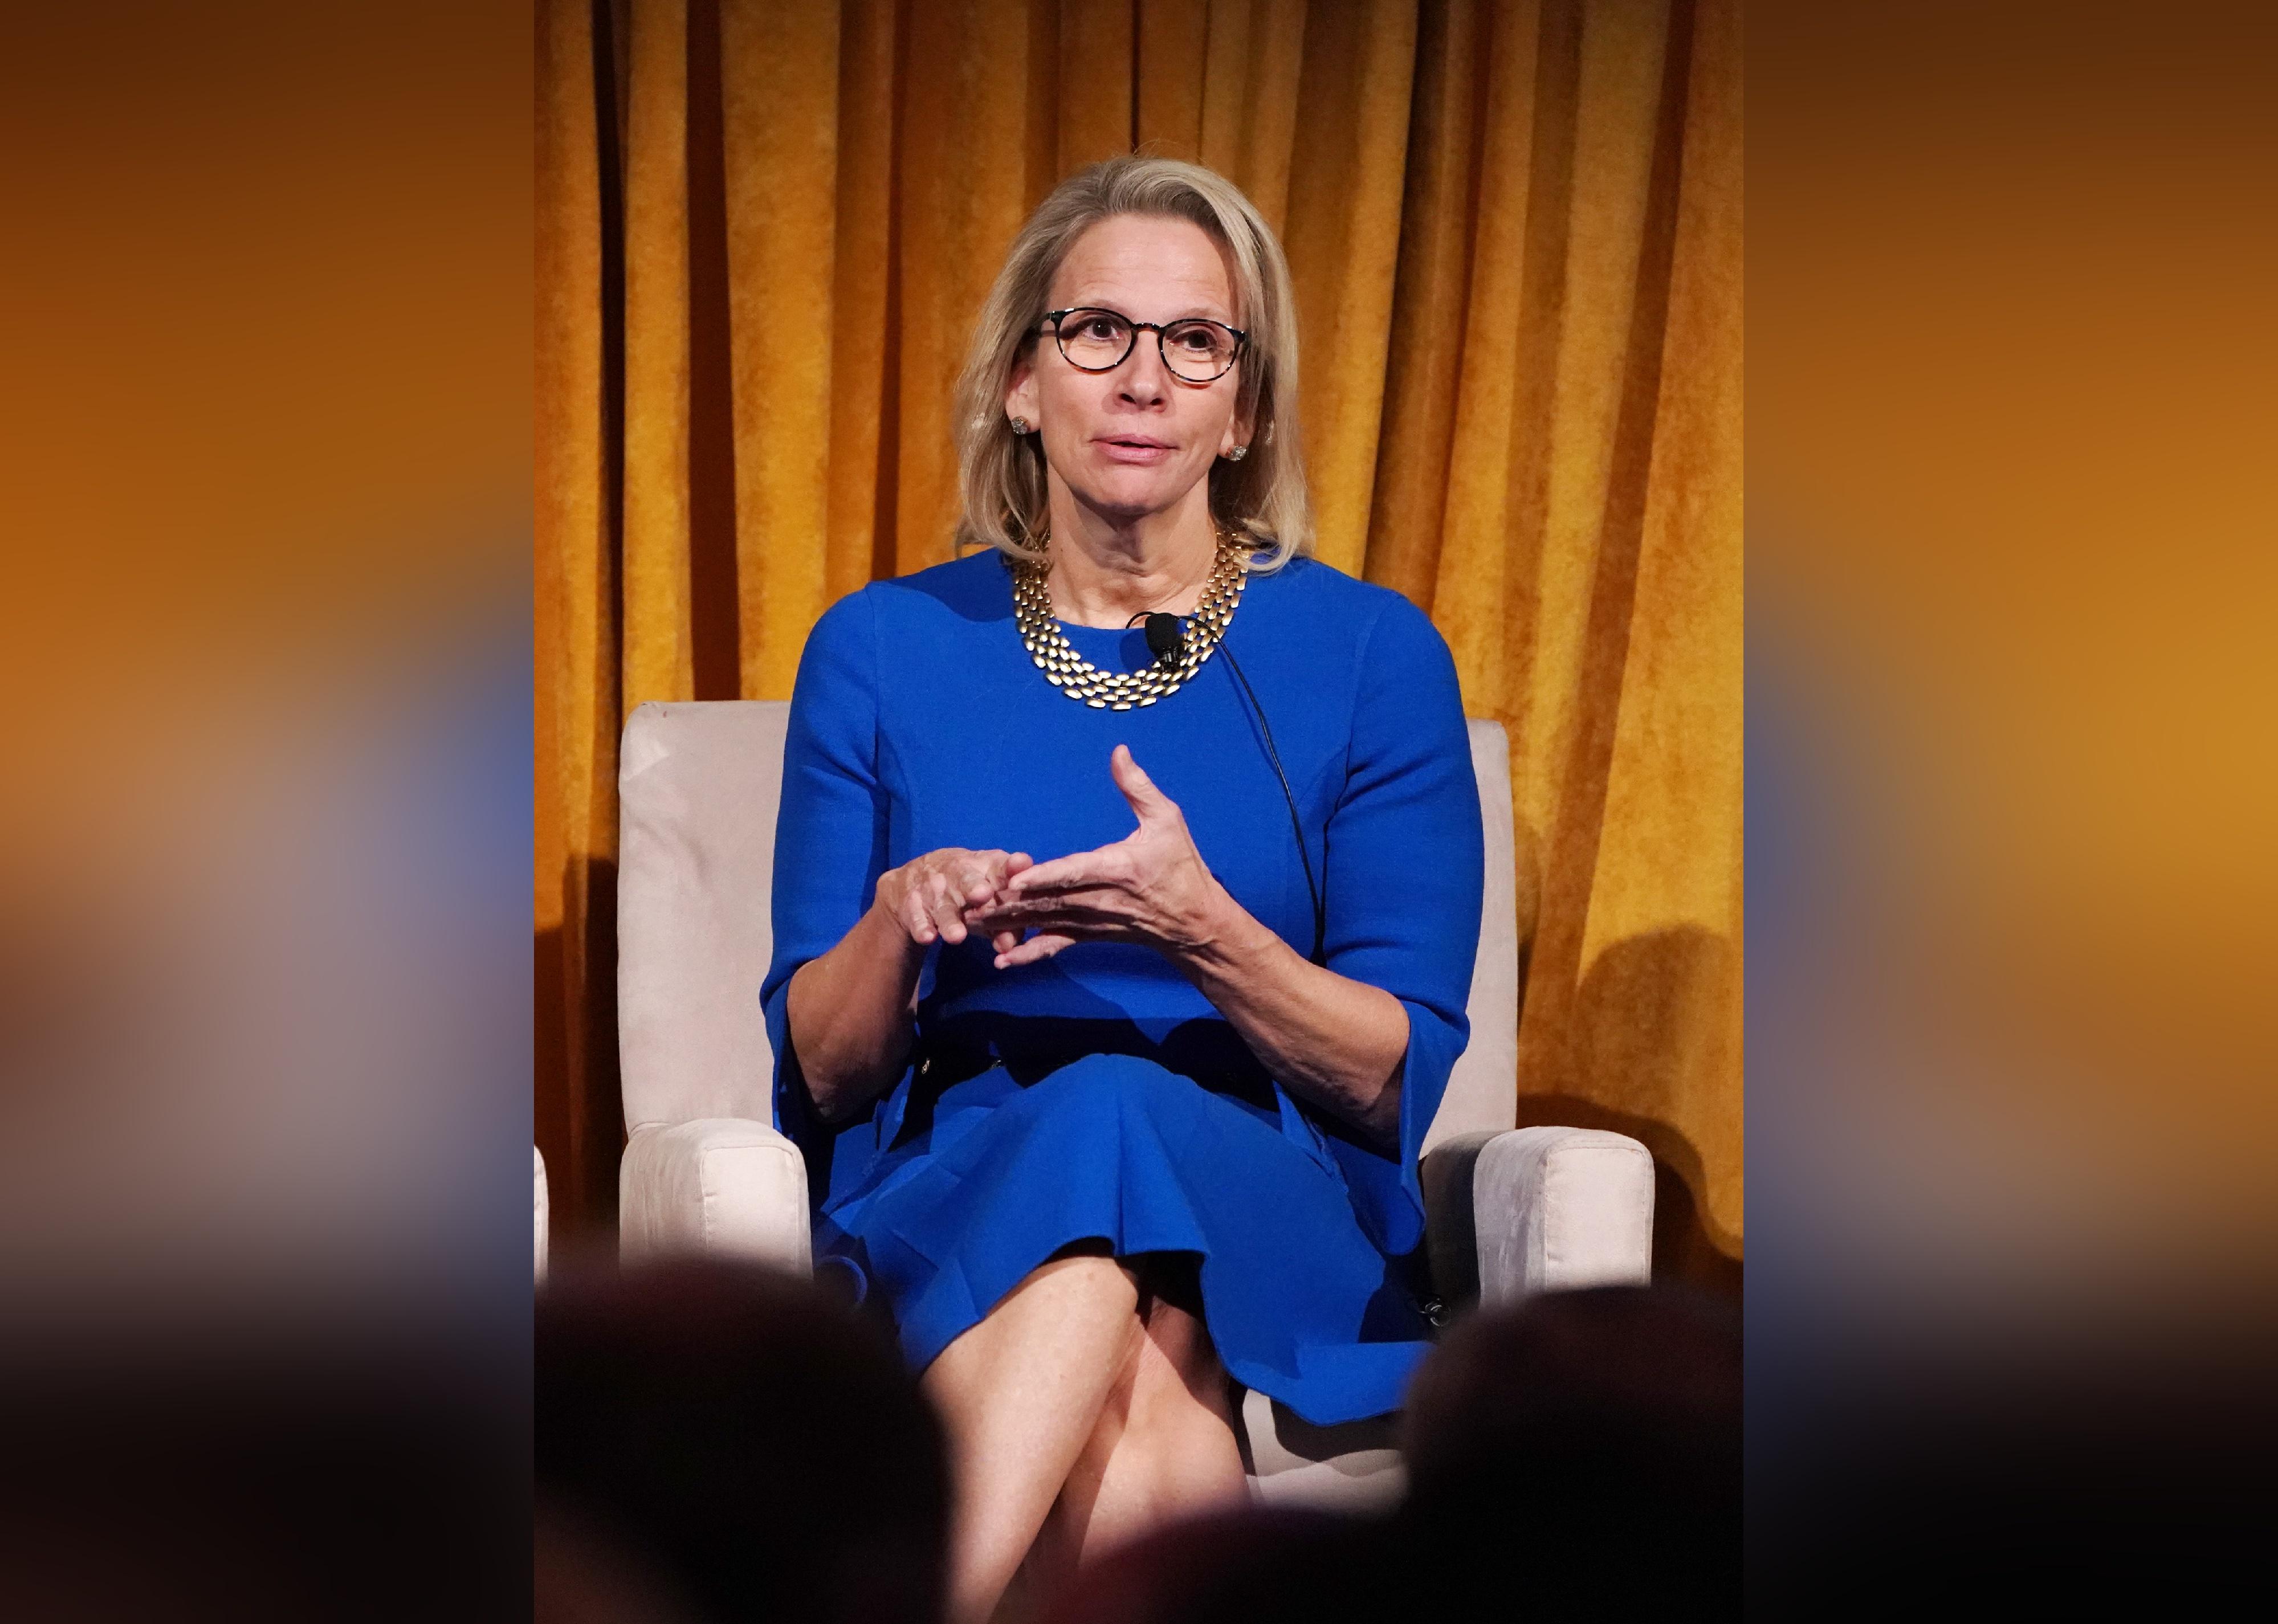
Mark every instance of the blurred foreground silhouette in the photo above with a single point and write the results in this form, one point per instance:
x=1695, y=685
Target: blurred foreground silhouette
x=717, y=1442
x=720, y=1442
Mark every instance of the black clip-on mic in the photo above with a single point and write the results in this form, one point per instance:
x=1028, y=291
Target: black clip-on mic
x=1166, y=641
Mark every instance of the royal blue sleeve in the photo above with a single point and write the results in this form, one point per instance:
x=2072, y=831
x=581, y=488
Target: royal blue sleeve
x=1404, y=877
x=830, y=848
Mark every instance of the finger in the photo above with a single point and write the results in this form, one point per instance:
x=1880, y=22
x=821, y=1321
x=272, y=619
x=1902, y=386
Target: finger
x=1013, y=912
x=913, y=914
x=942, y=906
x=1102, y=908
x=1147, y=802
x=1033, y=950
x=1005, y=941
x=1081, y=870
x=1062, y=931
x=985, y=879
x=994, y=909
x=949, y=909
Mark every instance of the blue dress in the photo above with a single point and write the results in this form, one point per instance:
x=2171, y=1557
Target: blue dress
x=1097, y=1094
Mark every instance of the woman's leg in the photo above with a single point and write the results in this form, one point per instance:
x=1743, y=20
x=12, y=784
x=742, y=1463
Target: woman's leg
x=1165, y=1444
x=1019, y=1395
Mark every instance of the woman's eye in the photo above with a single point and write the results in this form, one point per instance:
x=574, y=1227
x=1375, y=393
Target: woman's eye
x=1098, y=327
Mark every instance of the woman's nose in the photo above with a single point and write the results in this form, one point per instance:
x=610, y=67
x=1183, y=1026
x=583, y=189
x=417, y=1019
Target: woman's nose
x=1142, y=377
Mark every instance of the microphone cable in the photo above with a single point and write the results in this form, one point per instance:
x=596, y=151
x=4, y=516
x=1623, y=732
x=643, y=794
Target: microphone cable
x=1165, y=635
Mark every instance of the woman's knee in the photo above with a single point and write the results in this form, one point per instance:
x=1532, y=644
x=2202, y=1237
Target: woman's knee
x=1077, y=1304
x=1182, y=1360
x=1093, y=1258
x=1091, y=1267
x=1173, y=1435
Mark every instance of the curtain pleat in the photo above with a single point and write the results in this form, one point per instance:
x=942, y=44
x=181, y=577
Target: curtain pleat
x=964, y=156
x=1656, y=1031
x=1499, y=375
x=1250, y=98
x=1424, y=358
x=1173, y=58
x=659, y=655
x=575, y=617
x=864, y=354
x=1093, y=98
x=779, y=72
x=1346, y=179
x=1514, y=231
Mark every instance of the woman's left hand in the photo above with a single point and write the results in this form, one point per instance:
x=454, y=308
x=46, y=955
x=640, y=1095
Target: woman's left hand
x=1150, y=888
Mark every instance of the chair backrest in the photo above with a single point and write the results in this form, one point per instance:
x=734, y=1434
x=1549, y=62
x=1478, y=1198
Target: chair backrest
x=697, y=788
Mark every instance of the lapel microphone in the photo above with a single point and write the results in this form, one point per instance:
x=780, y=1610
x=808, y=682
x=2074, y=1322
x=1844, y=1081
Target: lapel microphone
x=1165, y=638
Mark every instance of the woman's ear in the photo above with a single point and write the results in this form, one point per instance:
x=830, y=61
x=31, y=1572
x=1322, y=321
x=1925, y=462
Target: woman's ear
x=1238, y=430
x=1021, y=397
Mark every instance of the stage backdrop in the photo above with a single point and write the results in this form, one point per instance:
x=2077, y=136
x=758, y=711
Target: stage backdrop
x=1515, y=228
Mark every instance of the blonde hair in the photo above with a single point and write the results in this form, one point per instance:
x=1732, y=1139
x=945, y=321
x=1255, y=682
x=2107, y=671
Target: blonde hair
x=1001, y=475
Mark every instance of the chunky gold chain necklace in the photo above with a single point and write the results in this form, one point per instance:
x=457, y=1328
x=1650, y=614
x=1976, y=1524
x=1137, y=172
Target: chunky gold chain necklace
x=1119, y=691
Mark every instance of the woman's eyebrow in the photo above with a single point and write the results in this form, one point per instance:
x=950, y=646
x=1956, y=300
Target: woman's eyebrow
x=1208, y=313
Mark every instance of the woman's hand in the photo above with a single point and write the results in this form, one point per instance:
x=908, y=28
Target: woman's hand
x=926, y=897
x=853, y=1011
x=1150, y=888
x=1339, y=1043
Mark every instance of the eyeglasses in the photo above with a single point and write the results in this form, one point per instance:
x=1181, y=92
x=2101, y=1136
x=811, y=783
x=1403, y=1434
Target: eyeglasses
x=1197, y=350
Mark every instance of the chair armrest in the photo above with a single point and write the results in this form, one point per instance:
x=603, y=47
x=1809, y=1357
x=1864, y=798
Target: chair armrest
x=721, y=1184
x=1538, y=1209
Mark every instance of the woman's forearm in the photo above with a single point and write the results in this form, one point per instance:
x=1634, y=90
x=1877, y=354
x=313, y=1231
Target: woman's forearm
x=1336, y=1042
x=852, y=1012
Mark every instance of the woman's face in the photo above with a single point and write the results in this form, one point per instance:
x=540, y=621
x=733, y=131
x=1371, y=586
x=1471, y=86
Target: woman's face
x=1133, y=441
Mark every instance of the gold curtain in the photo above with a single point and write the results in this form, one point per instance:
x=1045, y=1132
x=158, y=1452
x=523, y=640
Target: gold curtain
x=1514, y=233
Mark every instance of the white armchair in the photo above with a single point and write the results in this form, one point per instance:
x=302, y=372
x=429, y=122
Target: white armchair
x=1510, y=1211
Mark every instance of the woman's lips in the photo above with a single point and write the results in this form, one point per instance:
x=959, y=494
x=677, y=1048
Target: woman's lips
x=1133, y=451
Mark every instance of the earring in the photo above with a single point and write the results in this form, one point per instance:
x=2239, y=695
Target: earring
x=1020, y=425
x=1237, y=454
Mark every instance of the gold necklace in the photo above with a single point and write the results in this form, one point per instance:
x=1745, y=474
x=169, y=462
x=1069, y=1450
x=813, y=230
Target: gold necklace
x=1121, y=691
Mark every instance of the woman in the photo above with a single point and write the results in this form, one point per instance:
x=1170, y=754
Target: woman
x=1112, y=1085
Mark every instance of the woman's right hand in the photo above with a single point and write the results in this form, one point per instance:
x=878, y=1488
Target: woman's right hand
x=927, y=896
x=851, y=1010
